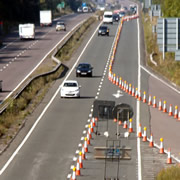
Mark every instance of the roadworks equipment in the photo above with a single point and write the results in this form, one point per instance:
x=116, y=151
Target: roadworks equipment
x=151, y=143
x=130, y=89
x=74, y=174
x=85, y=145
x=161, y=151
x=145, y=135
x=154, y=101
x=117, y=81
x=150, y=100
x=78, y=173
x=169, y=159
x=125, y=125
x=144, y=97
x=176, y=112
x=170, y=110
x=83, y=154
x=139, y=131
x=133, y=93
x=139, y=96
x=136, y=93
x=160, y=105
x=80, y=160
x=164, y=107
x=130, y=126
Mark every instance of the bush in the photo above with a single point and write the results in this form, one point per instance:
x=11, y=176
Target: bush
x=171, y=173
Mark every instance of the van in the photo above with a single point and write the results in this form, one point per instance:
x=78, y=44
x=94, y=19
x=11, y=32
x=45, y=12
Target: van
x=85, y=9
x=108, y=17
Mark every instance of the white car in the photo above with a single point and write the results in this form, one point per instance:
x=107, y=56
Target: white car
x=70, y=88
x=60, y=26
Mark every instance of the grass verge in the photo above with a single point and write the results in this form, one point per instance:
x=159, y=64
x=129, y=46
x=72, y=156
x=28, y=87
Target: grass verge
x=14, y=117
x=168, y=67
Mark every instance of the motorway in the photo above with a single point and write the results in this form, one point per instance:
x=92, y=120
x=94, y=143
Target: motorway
x=51, y=146
x=20, y=58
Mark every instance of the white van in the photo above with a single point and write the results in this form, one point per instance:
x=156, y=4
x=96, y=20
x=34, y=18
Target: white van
x=108, y=17
x=27, y=31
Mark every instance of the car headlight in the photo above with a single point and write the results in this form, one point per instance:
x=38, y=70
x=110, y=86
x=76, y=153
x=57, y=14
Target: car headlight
x=99, y=31
x=78, y=71
x=89, y=71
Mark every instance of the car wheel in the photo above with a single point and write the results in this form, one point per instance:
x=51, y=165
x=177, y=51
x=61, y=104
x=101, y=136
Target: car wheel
x=77, y=75
x=107, y=34
x=90, y=75
x=64, y=29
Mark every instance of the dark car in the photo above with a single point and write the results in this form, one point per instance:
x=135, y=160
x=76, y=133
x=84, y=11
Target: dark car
x=103, y=30
x=84, y=69
x=116, y=17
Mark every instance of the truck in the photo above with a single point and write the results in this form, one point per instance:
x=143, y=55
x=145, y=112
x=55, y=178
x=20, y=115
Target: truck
x=108, y=17
x=45, y=18
x=27, y=31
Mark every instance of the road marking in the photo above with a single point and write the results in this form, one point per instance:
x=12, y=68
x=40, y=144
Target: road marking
x=118, y=94
x=50, y=102
x=138, y=107
x=165, y=83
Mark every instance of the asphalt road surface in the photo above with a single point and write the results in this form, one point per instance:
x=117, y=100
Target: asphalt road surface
x=19, y=58
x=48, y=153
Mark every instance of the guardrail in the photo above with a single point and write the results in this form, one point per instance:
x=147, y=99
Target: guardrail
x=28, y=82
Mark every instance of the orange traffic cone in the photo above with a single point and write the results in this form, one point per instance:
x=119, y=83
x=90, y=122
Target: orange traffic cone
x=127, y=88
x=130, y=91
x=169, y=159
x=83, y=154
x=139, y=96
x=130, y=126
x=92, y=128
x=136, y=93
x=115, y=120
x=125, y=125
x=80, y=160
x=124, y=89
x=176, y=112
x=145, y=135
x=117, y=81
x=139, y=131
x=120, y=81
x=170, y=110
x=133, y=93
x=144, y=97
x=154, y=101
x=120, y=122
x=109, y=75
x=78, y=169
x=160, y=105
x=88, y=139
x=74, y=174
x=93, y=122
x=122, y=85
x=179, y=116
x=161, y=151
x=151, y=144
x=89, y=131
x=150, y=100
x=164, y=107
x=114, y=79
x=85, y=145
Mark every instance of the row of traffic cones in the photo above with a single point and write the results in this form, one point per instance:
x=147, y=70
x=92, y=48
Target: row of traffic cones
x=82, y=153
x=131, y=90
x=126, y=125
x=151, y=143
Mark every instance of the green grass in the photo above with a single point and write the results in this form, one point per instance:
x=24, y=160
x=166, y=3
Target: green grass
x=168, y=67
x=171, y=173
x=15, y=114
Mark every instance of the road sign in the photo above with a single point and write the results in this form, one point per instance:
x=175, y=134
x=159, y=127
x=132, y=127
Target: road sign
x=123, y=112
x=103, y=109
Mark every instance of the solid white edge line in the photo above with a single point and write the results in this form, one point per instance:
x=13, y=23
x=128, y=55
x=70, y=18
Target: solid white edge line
x=45, y=109
x=41, y=61
x=160, y=79
x=138, y=107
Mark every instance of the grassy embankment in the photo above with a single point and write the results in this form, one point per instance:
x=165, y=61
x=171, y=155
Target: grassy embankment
x=168, y=67
x=15, y=115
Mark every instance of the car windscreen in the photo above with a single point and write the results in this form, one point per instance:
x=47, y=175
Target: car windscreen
x=108, y=16
x=83, y=66
x=103, y=28
x=69, y=84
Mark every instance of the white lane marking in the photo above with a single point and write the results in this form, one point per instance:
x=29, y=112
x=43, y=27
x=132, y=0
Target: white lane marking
x=41, y=62
x=138, y=107
x=50, y=102
x=165, y=83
